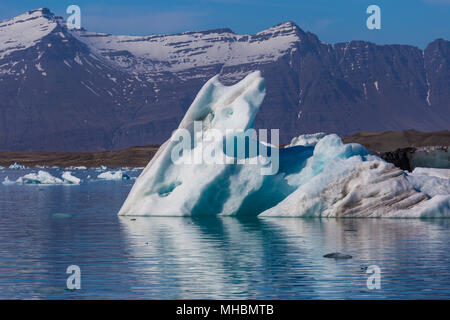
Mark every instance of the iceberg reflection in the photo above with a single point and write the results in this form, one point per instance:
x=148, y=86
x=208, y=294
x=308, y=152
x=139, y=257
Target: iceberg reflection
x=229, y=257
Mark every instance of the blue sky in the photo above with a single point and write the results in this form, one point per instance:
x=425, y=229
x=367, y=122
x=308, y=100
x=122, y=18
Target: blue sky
x=415, y=22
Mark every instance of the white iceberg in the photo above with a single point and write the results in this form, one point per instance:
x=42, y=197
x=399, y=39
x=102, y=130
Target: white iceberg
x=111, y=175
x=355, y=186
x=432, y=172
x=16, y=166
x=43, y=178
x=307, y=140
x=8, y=182
x=76, y=168
x=69, y=178
x=101, y=169
x=318, y=176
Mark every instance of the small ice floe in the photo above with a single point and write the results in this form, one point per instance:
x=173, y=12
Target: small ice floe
x=432, y=172
x=44, y=178
x=101, y=168
x=307, y=140
x=69, y=178
x=76, y=168
x=111, y=175
x=337, y=256
x=1, y=168
x=16, y=166
x=7, y=182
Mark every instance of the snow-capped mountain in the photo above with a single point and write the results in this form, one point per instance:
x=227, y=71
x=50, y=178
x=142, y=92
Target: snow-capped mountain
x=74, y=90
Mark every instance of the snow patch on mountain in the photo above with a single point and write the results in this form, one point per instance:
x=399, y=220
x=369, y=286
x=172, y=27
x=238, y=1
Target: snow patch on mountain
x=24, y=31
x=192, y=49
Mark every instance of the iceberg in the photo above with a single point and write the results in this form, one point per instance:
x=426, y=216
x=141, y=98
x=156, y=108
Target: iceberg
x=8, y=182
x=16, y=166
x=43, y=178
x=69, y=178
x=432, y=172
x=357, y=185
x=317, y=175
x=309, y=139
x=76, y=168
x=111, y=175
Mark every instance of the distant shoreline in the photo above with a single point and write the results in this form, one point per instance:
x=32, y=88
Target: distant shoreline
x=129, y=157
x=377, y=142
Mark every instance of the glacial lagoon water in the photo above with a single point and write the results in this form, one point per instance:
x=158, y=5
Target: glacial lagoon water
x=45, y=229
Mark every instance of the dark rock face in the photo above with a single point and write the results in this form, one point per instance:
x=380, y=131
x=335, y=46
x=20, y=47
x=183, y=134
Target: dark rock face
x=407, y=149
x=400, y=158
x=410, y=158
x=79, y=91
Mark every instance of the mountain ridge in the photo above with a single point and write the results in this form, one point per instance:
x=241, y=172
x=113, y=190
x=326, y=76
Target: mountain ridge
x=84, y=91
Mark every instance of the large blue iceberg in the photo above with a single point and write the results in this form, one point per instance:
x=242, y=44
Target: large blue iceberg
x=321, y=177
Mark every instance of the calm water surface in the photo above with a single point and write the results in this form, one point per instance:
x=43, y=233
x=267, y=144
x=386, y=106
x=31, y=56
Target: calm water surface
x=43, y=230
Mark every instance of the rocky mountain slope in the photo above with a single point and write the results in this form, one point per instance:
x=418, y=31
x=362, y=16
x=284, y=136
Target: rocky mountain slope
x=68, y=90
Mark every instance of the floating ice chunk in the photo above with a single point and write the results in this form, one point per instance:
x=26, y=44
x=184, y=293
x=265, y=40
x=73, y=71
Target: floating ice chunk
x=101, y=168
x=1, y=168
x=307, y=140
x=433, y=172
x=69, y=178
x=356, y=186
x=16, y=166
x=76, y=168
x=325, y=178
x=7, y=182
x=42, y=178
x=111, y=175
